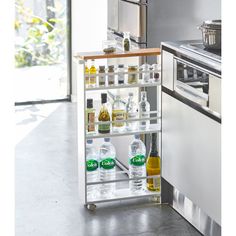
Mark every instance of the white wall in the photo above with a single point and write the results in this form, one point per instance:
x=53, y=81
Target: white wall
x=89, y=29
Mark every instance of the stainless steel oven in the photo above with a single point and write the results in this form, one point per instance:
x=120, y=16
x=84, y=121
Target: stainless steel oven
x=198, y=84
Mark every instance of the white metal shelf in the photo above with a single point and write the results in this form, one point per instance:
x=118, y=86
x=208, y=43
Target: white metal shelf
x=153, y=128
x=122, y=194
x=124, y=179
x=121, y=86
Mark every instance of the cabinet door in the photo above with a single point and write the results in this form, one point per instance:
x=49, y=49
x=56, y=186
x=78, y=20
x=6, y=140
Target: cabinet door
x=191, y=154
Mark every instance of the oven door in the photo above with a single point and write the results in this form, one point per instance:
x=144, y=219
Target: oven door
x=196, y=84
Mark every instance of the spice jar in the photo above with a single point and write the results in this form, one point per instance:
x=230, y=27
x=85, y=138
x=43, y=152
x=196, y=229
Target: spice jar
x=121, y=76
x=102, y=76
x=111, y=77
x=132, y=78
x=156, y=75
x=146, y=73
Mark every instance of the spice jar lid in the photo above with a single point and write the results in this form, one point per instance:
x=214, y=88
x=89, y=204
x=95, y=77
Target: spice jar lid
x=120, y=66
x=111, y=66
x=101, y=67
x=133, y=67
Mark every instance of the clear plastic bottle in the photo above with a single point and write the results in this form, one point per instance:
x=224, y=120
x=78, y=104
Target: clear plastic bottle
x=107, y=168
x=144, y=111
x=131, y=113
x=92, y=169
x=118, y=113
x=137, y=165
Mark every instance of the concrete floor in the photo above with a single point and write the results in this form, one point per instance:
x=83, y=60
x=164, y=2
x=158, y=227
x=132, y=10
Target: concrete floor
x=47, y=193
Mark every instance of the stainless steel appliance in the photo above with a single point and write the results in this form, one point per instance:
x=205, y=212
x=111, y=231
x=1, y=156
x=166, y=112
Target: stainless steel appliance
x=152, y=21
x=191, y=133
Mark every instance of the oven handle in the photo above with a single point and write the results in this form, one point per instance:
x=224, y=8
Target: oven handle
x=185, y=92
x=177, y=59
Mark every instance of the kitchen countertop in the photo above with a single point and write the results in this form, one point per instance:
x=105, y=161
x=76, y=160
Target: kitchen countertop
x=179, y=48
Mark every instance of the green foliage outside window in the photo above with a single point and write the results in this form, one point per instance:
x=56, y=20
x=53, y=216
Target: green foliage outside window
x=44, y=39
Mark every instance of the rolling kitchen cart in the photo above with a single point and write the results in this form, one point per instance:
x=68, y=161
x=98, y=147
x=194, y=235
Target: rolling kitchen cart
x=155, y=124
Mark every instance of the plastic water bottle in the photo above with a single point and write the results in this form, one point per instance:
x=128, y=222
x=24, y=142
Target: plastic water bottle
x=107, y=167
x=92, y=169
x=137, y=165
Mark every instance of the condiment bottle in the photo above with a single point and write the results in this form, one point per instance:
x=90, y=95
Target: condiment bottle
x=118, y=114
x=153, y=166
x=104, y=116
x=86, y=74
x=90, y=116
x=92, y=72
x=126, y=42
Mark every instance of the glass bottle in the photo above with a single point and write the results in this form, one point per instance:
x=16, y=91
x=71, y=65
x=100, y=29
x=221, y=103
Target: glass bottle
x=126, y=42
x=121, y=76
x=131, y=113
x=90, y=116
x=86, y=74
x=104, y=116
x=92, y=72
x=144, y=111
x=118, y=113
x=102, y=77
x=111, y=77
x=153, y=166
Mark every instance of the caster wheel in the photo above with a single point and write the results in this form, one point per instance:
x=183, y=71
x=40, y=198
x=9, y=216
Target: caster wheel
x=91, y=207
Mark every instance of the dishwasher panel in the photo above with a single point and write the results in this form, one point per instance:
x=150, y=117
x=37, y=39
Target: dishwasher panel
x=191, y=154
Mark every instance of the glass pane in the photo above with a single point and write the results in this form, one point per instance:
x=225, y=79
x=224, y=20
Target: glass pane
x=41, y=50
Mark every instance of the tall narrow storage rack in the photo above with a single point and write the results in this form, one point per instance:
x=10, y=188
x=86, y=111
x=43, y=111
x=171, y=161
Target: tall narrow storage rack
x=121, y=176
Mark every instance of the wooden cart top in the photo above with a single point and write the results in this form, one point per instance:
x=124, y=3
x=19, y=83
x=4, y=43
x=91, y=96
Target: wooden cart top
x=134, y=53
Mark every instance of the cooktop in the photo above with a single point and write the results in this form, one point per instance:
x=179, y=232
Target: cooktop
x=201, y=50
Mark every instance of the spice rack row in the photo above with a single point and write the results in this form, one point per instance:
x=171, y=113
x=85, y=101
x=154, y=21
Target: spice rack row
x=124, y=192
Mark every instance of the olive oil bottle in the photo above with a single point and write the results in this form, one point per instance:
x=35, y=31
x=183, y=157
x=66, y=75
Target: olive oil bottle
x=153, y=166
x=92, y=72
x=104, y=116
x=86, y=75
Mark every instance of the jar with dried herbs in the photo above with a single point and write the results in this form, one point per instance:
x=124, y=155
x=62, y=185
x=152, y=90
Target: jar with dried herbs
x=133, y=74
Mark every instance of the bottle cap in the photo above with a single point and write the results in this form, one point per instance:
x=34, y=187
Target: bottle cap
x=89, y=141
x=143, y=93
x=137, y=136
x=107, y=139
x=120, y=66
x=89, y=103
x=104, y=97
